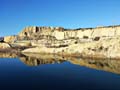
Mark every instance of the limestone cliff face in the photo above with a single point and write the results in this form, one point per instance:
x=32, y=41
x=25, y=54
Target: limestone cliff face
x=60, y=33
x=42, y=32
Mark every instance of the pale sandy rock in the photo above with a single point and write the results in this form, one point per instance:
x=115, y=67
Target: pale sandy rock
x=99, y=41
x=44, y=49
x=117, y=31
x=108, y=48
x=103, y=32
x=84, y=33
x=22, y=43
x=4, y=45
x=58, y=35
x=80, y=34
x=9, y=39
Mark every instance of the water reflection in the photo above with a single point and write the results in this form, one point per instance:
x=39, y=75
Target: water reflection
x=41, y=59
x=99, y=64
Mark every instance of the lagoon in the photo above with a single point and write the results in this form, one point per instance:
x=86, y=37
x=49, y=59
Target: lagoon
x=28, y=73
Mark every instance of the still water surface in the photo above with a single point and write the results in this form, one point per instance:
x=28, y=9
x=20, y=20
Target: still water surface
x=17, y=73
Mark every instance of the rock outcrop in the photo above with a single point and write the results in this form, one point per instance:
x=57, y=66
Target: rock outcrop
x=96, y=42
x=4, y=45
x=60, y=33
x=22, y=43
x=109, y=48
x=9, y=39
x=42, y=32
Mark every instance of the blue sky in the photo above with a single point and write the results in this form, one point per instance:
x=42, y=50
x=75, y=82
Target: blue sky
x=17, y=14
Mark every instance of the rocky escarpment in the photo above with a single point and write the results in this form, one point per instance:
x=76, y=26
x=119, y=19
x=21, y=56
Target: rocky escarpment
x=60, y=33
x=99, y=42
x=86, y=42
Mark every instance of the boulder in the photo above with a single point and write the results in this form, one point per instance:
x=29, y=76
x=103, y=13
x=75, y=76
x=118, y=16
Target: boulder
x=4, y=45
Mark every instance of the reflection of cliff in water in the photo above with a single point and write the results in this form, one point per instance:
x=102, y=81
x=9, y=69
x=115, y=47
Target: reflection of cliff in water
x=37, y=59
x=8, y=55
x=40, y=59
x=106, y=65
